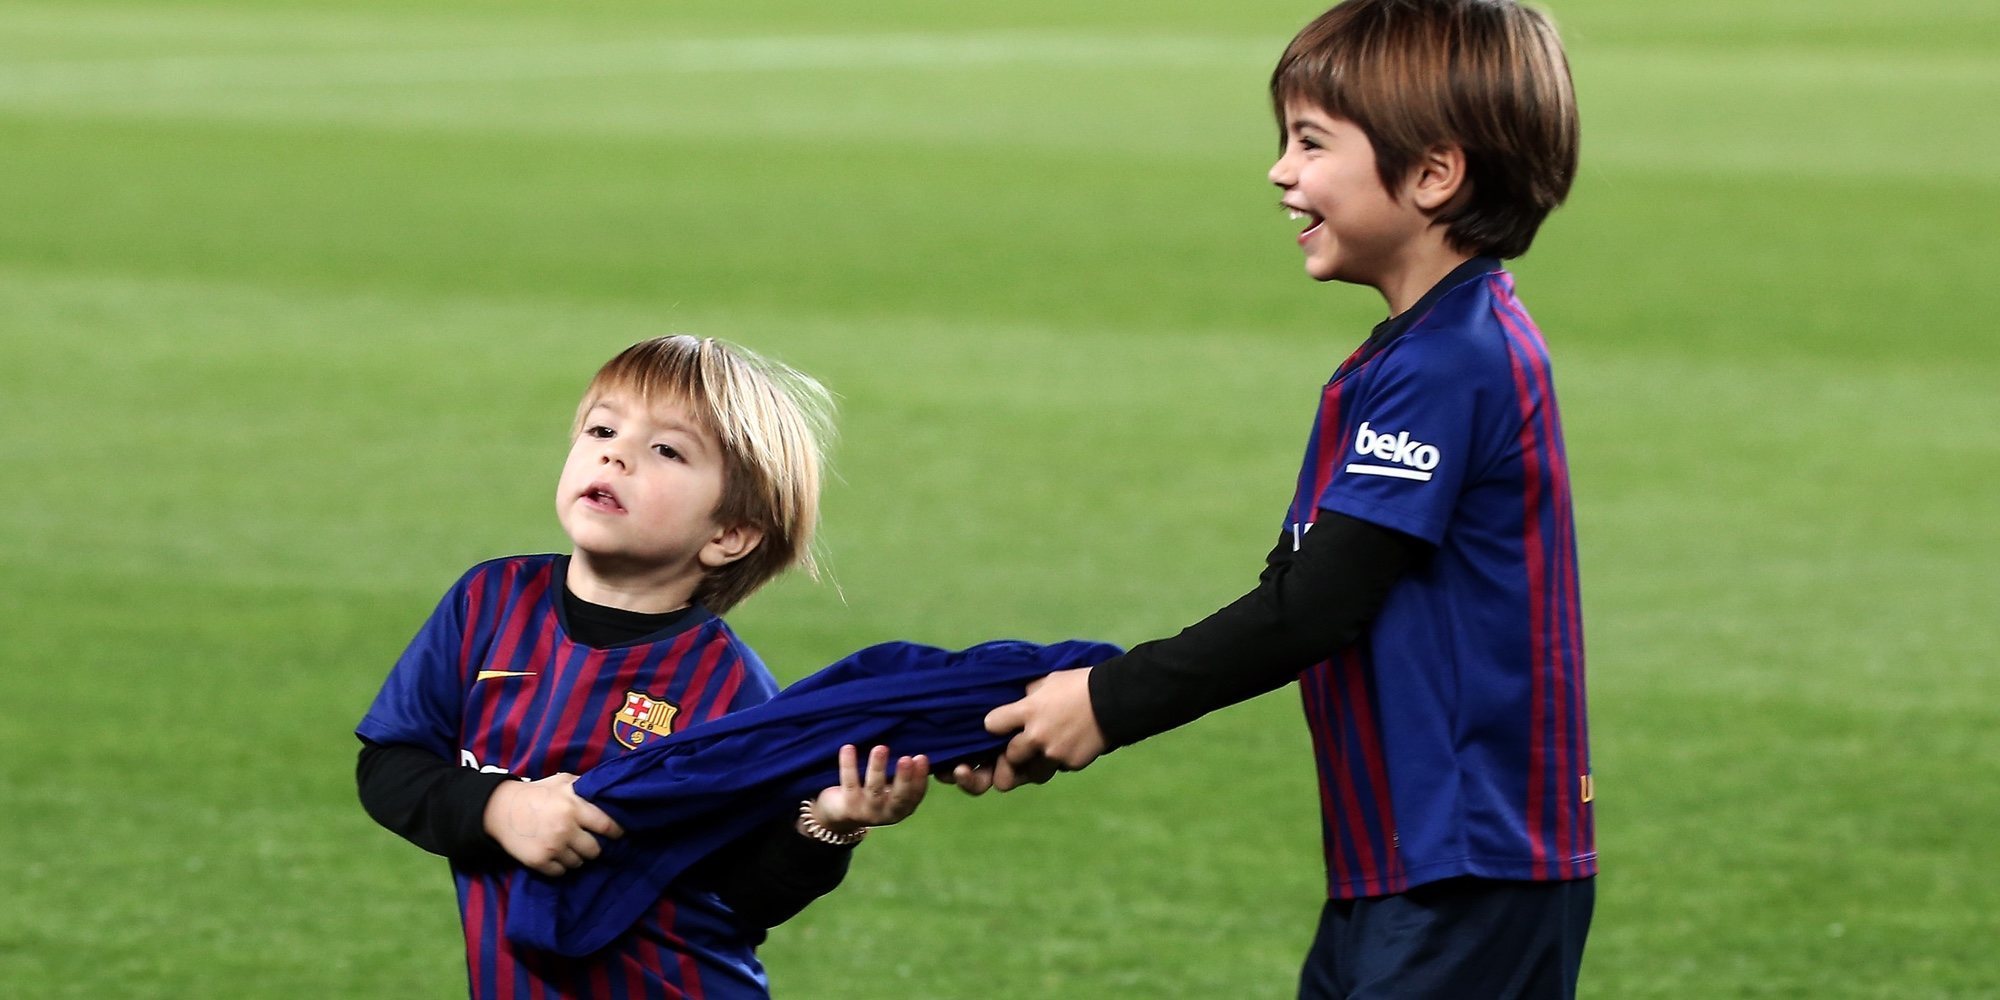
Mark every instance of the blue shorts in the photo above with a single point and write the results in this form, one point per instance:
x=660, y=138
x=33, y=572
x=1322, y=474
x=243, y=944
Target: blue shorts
x=1461, y=939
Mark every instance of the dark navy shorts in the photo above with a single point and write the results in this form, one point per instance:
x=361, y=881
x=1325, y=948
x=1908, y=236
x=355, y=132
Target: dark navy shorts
x=1459, y=939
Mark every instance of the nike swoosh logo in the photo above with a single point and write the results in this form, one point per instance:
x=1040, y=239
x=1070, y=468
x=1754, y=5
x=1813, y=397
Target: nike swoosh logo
x=485, y=675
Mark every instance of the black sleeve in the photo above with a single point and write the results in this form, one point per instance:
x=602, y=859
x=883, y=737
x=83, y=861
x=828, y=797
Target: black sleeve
x=430, y=802
x=772, y=873
x=1307, y=605
x=767, y=876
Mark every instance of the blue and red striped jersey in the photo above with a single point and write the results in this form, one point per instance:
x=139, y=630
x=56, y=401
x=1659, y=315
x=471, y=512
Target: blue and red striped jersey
x=1451, y=737
x=493, y=681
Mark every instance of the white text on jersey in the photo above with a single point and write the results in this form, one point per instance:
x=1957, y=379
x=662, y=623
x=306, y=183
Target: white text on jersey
x=1413, y=459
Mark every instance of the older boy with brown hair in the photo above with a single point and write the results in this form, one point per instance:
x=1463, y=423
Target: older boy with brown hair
x=1424, y=588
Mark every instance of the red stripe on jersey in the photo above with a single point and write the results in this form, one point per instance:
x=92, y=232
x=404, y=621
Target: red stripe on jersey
x=517, y=612
x=506, y=748
x=1312, y=686
x=475, y=606
x=473, y=916
x=1574, y=836
x=698, y=684
x=504, y=963
x=731, y=680
x=580, y=684
x=635, y=975
x=1560, y=665
x=1538, y=750
x=1350, y=800
x=1583, y=836
x=1370, y=743
x=690, y=972
x=649, y=956
x=1352, y=829
x=482, y=740
x=1564, y=622
x=1327, y=451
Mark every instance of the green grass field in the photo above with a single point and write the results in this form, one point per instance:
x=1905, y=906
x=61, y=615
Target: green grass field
x=295, y=300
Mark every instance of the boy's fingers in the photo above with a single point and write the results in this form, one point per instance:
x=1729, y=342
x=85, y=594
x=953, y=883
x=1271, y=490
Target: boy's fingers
x=1020, y=750
x=1003, y=775
x=598, y=821
x=918, y=770
x=850, y=775
x=969, y=779
x=1008, y=718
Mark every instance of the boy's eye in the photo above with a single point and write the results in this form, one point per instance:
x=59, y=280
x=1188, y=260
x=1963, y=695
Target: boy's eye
x=667, y=451
x=599, y=431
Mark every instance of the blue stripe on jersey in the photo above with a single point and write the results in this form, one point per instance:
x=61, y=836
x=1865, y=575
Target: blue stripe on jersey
x=1451, y=738
x=548, y=705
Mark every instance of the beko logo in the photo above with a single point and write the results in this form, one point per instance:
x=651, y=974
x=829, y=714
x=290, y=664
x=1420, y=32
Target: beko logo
x=1412, y=459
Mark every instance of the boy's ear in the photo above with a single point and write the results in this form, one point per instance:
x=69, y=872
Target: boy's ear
x=1437, y=178
x=730, y=544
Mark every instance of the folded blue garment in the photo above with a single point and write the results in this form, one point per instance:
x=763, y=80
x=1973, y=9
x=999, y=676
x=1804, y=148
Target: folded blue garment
x=682, y=798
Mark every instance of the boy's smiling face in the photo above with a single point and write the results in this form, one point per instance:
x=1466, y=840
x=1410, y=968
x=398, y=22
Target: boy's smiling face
x=1356, y=230
x=639, y=491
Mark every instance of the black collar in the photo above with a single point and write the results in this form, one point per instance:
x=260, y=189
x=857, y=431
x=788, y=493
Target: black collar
x=1393, y=327
x=601, y=627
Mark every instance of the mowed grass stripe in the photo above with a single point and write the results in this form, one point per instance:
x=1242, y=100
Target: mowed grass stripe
x=1819, y=112
x=661, y=56
x=1789, y=111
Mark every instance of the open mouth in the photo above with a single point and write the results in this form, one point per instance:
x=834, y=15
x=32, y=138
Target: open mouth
x=600, y=496
x=1311, y=228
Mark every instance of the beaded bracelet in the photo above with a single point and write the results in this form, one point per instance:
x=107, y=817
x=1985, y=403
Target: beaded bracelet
x=811, y=828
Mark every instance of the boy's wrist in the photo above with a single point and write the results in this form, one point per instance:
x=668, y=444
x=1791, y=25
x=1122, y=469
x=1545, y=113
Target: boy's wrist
x=836, y=833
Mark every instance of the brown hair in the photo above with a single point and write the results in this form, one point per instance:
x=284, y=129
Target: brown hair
x=1488, y=76
x=772, y=421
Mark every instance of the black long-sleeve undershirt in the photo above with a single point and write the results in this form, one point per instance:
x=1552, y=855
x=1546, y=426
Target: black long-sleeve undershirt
x=766, y=877
x=1307, y=605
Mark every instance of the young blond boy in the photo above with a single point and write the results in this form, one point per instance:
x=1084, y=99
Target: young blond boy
x=1424, y=588
x=692, y=479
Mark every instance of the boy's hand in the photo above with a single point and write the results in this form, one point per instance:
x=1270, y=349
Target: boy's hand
x=876, y=800
x=545, y=825
x=1055, y=730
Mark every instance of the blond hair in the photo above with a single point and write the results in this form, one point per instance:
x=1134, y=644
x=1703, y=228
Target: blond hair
x=773, y=422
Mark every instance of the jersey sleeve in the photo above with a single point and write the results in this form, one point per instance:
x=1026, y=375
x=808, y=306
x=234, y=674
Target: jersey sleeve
x=421, y=701
x=1414, y=439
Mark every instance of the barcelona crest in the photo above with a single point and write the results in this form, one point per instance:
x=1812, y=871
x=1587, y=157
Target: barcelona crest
x=643, y=718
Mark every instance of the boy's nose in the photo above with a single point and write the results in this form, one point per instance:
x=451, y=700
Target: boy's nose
x=1281, y=172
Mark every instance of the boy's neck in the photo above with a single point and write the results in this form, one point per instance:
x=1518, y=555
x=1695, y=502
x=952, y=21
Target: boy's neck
x=646, y=588
x=1426, y=264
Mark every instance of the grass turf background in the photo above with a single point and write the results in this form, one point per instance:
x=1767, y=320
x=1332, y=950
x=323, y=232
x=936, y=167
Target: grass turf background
x=294, y=304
